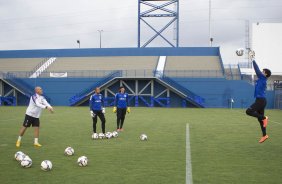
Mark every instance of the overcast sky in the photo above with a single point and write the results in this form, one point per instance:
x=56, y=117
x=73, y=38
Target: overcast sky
x=42, y=24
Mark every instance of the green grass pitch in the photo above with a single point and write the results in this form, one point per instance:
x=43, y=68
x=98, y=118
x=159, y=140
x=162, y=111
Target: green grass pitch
x=224, y=147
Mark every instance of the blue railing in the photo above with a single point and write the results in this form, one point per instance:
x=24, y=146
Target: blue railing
x=193, y=73
x=189, y=94
x=9, y=101
x=21, y=85
x=126, y=73
x=83, y=94
x=18, y=83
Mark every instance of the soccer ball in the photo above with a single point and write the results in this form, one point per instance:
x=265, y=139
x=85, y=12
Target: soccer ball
x=143, y=137
x=19, y=156
x=95, y=136
x=115, y=134
x=26, y=162
x=101, y=135
x=82, y=161
x=69, y=151
x=46, y=165
x=109, y=135
x=240, y=52
x=27, y=157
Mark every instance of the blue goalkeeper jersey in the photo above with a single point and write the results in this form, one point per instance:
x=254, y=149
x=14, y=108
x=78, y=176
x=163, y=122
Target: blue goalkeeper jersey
x=121, y=100
x=96, y=102
x=261, y=82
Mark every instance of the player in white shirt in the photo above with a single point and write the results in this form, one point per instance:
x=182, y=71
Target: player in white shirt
x=36, y=104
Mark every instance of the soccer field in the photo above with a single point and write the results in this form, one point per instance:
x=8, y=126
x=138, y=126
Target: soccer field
x=224, y=147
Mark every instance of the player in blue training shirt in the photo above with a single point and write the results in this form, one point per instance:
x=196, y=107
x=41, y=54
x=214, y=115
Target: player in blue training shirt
x=121, y=107
x=257, y=108
x=96, y=109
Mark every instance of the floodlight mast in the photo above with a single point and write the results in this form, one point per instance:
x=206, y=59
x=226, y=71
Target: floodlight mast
x=158, y=9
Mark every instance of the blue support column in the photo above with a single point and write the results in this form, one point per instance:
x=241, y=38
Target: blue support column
x=136, y=101
x=152, y=101
x=168, y=102
x=184, y=103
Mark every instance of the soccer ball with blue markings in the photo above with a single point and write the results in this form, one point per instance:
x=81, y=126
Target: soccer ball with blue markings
x=26, y=162
x=46, y=165
x=82, y=161
x=109, y=135
x=19, y=156
x=115, y=134
x=69, y=151
x=95, y=136
x=101, y=136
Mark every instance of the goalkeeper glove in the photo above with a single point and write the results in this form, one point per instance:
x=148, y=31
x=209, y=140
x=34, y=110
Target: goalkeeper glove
x=114, y=109
x=128, y=109
x=103, y=110
x=92, y=114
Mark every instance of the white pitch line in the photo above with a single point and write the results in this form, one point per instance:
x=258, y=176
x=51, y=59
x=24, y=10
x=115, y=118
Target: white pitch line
x=271, y=121
x=189, y=178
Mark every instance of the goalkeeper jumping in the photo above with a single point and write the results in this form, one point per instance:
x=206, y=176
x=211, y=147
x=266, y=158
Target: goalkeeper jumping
x=257, y=109
x=121, y=107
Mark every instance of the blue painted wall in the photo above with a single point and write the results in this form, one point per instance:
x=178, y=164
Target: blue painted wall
x=157, y=51
x=59, y=90
x=217, y=92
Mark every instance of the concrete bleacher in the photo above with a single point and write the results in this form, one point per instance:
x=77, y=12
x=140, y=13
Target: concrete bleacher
x=232, y=74
x=19, y=64
x=193, y=66
x=64, y=64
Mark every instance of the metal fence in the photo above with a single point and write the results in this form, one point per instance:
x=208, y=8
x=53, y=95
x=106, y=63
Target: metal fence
x=124, y=73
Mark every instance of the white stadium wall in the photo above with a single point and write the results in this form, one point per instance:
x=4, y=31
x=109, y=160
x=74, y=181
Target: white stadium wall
x=267, y=44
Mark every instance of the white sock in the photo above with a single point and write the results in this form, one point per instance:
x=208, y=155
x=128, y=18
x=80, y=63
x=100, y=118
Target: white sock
x=19, y=138
x=35, y=140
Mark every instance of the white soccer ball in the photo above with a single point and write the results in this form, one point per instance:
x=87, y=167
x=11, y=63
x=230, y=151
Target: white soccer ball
x=18, y=155
x=143, y=137
x=46, y=165
x=95, y=136
x=109, y=135
x=115, y=134
x=27, y=157
x=101, y=136
x=69, y=151
x=26, y=162
x=240, y=52
x=82, y=161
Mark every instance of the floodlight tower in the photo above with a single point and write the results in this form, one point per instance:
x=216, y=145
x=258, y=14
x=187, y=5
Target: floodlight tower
x=159, y=9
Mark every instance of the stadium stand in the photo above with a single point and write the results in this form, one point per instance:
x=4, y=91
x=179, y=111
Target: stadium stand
x=126, y=63
x=232, y=72
x=192, y=77
x=19, y=64
x=193, y=66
